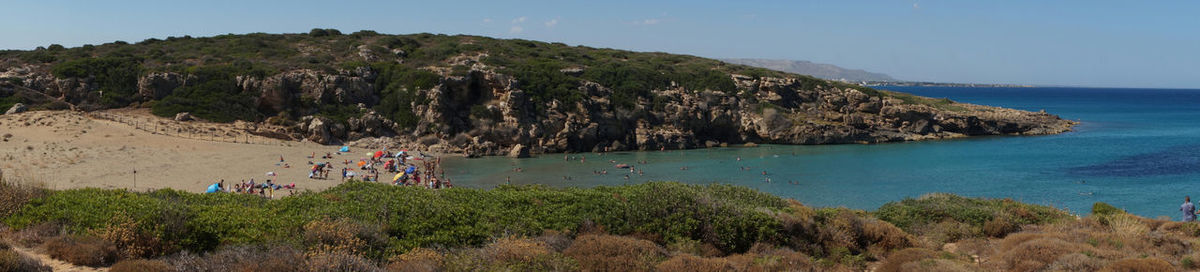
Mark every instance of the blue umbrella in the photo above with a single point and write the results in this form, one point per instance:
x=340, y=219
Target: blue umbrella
x=214, y=188
x=410, y=169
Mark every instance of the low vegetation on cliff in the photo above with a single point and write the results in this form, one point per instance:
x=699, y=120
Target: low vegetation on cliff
x=483, y=96
x=662, y=226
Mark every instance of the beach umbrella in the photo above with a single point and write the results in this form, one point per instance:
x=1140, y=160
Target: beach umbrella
x=397, y=177
x=410, y=169
x=378, y=154
x=361, y=163
x=344, y=149
x=215, y=187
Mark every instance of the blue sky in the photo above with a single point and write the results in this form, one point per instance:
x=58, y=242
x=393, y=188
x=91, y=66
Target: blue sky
x=1076, y=43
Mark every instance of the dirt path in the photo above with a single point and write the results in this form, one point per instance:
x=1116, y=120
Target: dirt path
x=55, y=264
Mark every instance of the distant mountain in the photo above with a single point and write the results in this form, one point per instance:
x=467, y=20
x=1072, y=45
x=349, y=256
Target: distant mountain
x=820, y=70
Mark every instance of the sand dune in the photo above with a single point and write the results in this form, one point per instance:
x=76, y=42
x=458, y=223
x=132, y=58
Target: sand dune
x=67, y=149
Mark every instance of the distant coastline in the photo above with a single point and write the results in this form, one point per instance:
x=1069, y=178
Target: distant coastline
x=940, y=84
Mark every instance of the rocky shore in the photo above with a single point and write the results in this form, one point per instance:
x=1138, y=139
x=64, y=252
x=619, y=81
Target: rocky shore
x=766, y=110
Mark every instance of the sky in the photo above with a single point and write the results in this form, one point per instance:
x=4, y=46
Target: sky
x=1151, y=44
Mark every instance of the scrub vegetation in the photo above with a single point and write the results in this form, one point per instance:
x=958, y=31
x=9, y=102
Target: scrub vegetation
x=657, y=226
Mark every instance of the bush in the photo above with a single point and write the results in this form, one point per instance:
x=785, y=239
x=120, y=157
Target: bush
x=1000, y=226
x=1037, y=254
x=141, y=266
x=1101, y=208
x=86, y=251
x=241, y=258
x=1076, y=262
x=11, y=260
x=115, y=77
x=614, y=253
x=338, y=261
x=417, y=259
x=1140, y=265
x=895, y=261
x=688, y=262
x=909, y=214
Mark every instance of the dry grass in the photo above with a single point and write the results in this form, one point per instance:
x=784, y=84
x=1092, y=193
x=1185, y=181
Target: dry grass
x=417, y=260
x=11, y=260
x=1139, y=265
x=1000, y=226
x=895, y=262
x=16, y=189
x=141, y=265
x=36, y=234
x=688, y=262
x=342, y=235
x=1037, y=254
x=614, y=253
x=1076, y=262
x=241, y=259
x=85, y=251
x=937, y=265
x=339, y=261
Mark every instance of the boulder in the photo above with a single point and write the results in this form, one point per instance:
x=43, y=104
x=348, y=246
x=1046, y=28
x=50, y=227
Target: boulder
x=318, y=130
x=184, y=117
x=158, y=85
x=17, y=108
x=519, y=151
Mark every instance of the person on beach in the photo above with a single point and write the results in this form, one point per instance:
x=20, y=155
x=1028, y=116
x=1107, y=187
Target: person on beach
x=1189, y=210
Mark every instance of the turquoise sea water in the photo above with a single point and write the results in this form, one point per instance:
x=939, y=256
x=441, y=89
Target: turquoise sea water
x=1138, y=149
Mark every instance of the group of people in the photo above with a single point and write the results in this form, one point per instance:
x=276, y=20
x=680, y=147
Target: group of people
x=420, y=170
x=265, y=189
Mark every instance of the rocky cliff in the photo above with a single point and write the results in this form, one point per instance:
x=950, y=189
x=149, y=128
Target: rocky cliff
x=478, y=108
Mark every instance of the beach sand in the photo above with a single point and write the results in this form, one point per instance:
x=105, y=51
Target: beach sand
x=64, y=149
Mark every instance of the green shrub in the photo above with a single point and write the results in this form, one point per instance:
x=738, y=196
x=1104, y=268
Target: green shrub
x=910, y=213
x=1101, y=208
x=115, y=77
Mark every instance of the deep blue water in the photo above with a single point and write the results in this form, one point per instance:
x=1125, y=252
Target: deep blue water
x=1138, y=149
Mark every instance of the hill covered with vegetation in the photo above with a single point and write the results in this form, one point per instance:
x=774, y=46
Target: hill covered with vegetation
x=481, y=95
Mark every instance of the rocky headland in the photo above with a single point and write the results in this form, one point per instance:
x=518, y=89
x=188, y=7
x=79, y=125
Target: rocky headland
x=478, y=107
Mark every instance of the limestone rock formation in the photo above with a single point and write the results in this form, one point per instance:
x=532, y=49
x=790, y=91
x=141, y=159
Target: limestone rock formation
x=184, y=117
x=16, y=108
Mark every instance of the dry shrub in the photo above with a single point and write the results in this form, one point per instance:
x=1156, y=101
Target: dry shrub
x=688, y=262
x=1012, y=241
x=1076, y=262
x=1127, y=224
x=948, y=231
x=689, y=246
x=513, y=249
x=37, y=234
x=1190, y=229
x=556, y=240
x=11, y=260
x=896, y=260
x=614, y=253
x=1000, y=226
x=883, y=236
x=86, y=251
x=241, y=259
x=937, y=265
x=131, y=241
x=975, y=246
x=855, y=234
x=509, y=253
x=417, y=259
x=141, y=265
x=342, y=235
x=1139, y=265
x=1038, y=253
x=339, y=261
x=16, y=191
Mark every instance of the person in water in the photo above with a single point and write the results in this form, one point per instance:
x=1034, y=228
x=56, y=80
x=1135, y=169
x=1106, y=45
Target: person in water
x=1189, y=210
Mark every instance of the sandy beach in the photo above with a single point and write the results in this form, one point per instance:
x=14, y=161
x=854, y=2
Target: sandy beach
x=65, y=149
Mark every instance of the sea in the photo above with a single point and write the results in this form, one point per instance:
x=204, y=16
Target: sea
x=1137, y=149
